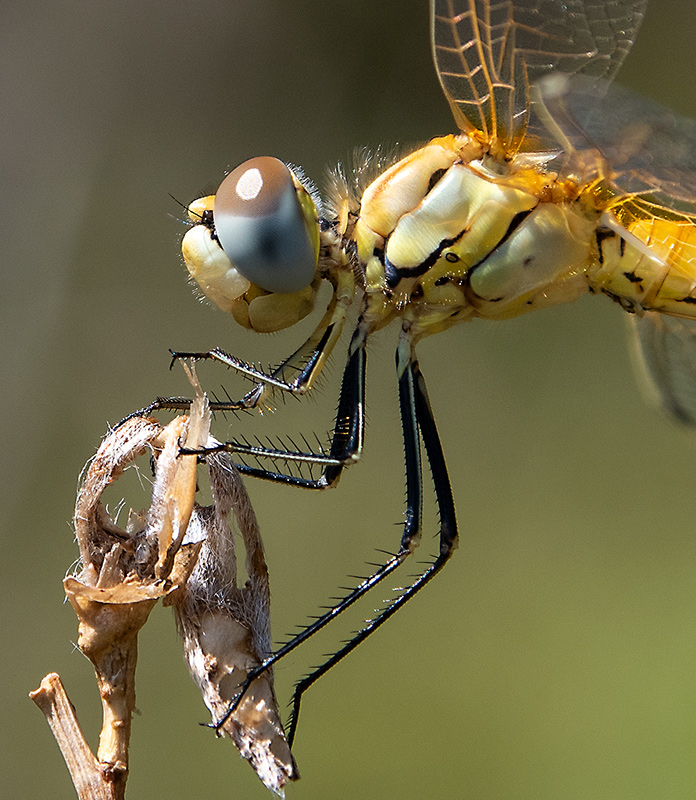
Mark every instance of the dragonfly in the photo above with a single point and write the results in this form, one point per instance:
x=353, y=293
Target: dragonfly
x=555, y=184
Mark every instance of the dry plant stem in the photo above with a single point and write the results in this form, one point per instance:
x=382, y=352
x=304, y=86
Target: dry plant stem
x=84, y=768
x=108, y=636
x=183, y=553
x=123, y=575
x=226, y=628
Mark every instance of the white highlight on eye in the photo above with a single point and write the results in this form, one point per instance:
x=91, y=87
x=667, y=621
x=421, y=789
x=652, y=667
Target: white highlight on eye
x=250, y=184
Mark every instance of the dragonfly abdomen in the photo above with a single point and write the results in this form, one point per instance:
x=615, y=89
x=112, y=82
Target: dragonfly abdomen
x=648, y=260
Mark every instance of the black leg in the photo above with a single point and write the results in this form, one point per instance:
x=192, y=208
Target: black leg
x=295, y=375
x=348, y=434
x=448, y=529
x=449, y=533
x=417, y=422
x=346, y=440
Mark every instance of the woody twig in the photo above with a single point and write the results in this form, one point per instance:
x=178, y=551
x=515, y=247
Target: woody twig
x=183, y=553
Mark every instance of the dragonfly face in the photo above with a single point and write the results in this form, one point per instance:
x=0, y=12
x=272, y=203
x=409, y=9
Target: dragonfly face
x=517, y=211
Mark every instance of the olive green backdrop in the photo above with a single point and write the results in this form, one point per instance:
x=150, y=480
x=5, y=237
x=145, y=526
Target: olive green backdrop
x=556, y=656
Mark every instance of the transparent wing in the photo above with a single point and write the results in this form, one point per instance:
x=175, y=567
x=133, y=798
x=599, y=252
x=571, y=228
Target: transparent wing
x=642, y=159
x=489, y=52
x=645, y=158
x=649, y=148
x=664, y=354
x=639, y=155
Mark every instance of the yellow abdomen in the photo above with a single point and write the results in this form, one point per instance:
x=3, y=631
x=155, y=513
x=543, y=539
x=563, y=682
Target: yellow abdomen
x=652, y=261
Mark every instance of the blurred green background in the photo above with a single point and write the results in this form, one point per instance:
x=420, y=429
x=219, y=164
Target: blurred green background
x=556, y=655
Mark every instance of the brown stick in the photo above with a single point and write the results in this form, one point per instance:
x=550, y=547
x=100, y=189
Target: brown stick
x=90, y=781
x=120, y=581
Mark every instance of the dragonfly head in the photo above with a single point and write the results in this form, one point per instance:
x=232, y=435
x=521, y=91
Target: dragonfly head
x=254, y=246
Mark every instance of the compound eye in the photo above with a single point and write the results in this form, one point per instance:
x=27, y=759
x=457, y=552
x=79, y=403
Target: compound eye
x=266, y=226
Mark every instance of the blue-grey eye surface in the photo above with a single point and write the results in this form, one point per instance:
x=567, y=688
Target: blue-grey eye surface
x=259, y=224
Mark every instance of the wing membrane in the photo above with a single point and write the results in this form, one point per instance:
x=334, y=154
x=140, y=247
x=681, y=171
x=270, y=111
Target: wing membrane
x=489, y=52
x=664, y=351
x=651, y=149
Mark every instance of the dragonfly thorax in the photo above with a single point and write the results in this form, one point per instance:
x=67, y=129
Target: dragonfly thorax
x=445, y=237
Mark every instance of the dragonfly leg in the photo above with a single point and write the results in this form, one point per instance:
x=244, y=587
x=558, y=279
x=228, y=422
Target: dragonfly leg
x=346, y=448
x=295, y=375
x=417, y=422
x=417, y=409
x=346, y=440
